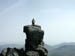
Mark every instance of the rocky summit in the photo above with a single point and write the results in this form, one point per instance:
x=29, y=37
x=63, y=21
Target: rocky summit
x=34, y=45
x=34, y=41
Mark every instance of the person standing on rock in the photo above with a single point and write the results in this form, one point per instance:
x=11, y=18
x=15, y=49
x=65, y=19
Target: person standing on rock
x=34, y=40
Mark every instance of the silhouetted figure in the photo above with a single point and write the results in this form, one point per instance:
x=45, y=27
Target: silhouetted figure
x=33, y=22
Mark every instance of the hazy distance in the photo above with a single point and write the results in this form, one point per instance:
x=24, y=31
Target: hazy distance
x=56, y=17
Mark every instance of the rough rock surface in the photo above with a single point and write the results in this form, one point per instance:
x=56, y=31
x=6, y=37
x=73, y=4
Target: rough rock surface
x=12, y=52
x=34, y=41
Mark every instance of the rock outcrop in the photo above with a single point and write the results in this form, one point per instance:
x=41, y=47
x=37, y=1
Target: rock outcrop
x=34, y=41
x=12, y=52
x=34, y=45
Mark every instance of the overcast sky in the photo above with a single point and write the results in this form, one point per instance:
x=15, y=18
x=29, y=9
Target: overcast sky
x=56, y=17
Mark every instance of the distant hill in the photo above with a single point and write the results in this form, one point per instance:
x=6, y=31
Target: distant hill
x=64, y=49
x=65, y=43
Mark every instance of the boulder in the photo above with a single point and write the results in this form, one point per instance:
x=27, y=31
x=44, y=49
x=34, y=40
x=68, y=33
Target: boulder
x=12, y=52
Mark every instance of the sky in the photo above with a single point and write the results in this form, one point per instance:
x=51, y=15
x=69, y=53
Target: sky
x=56, y=17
